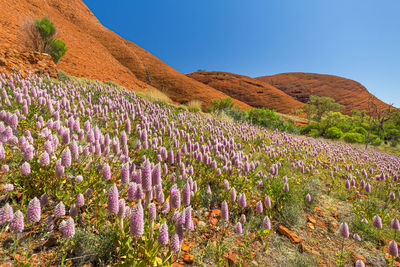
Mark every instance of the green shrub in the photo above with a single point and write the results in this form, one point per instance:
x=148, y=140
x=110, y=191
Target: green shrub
x=313, y=125
x=359, y=130
x=56, y=48
x=375, y=140
x=314, y=133
x=259, y=115
x=218, y=105
x=353, y=137
x=62, y=76
x=333, y=133
x=237, y=114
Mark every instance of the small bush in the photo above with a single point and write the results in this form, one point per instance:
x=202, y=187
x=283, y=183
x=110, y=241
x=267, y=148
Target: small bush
x=333, y=133
x=62, y=76
x=375, y=140
x=56, y=48
x=194, y=106
x=218, y=105
x=314, y=133
x=359, y=130
x=354, y=138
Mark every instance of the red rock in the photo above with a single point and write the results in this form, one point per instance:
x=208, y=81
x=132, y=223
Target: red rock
x=311, y=219
x=289, y=234
x=231, y=257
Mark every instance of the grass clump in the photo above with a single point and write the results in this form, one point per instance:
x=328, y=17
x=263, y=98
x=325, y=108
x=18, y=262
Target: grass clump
x=194, y=106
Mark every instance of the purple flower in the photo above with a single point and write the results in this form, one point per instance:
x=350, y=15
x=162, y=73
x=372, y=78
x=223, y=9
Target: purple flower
x=165, y=208
x=6, y=214
x=121, y=208
x=44, y=159
x=152, y=212
x=125, y=173
x=80, y=200
x=286, y=187
x=156, y=175
x=106, y=172
x=34, y=210
x=225, y=211
x=79, y=178
x=59, y=210
x=113, y=197
x=259, y=207
x=175, y=243
x=163, y=234
x=186, y=195
x=233, y=194
x=267, y=202
x=17, y=223
x=8, y=187
x=146, y=176
x=73, y=211
x=344, y=229
x=66, y=157
x=239, y=228
x=136, y=221
x=25, y=168
x=393, y=249
x=267, y=223
x=68, y=228
x=357, y=237
x=59, y=169
x=395, y=224
x=308, y=198
x=188, y=218
x=359, y=263
x=175, y=197
x=377, y=222
x=242, y=201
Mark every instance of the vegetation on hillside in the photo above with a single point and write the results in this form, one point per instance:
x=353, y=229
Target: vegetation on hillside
x=40, y=35
x=363, y=127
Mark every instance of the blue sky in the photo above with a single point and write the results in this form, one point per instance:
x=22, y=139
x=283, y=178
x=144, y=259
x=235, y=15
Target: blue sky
x=356, y=39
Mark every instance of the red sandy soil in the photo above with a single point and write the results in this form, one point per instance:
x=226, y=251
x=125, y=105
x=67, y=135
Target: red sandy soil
x=300, y=85
x=251, y=91
x=96, y=52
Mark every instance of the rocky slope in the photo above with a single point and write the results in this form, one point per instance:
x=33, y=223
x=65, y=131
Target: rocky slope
x=251, y=91
x=347, y=92
x=95, y=52
x=33, y=62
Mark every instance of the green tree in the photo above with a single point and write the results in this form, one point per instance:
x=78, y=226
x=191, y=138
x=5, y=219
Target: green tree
x=317, y=106
x=40, y=35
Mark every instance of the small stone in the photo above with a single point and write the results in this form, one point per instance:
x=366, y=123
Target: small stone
x=188, y=258
x=311, y=220
x=289, y=234
x=310, y=225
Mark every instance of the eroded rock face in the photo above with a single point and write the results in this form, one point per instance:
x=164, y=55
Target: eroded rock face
x=248, y=90
x=24, y=62
x=301, y=86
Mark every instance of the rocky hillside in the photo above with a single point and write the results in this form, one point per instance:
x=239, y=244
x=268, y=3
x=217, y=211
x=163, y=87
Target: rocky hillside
x=251, y=91
x=95, y=52
x=349, y=93
x=33, y=62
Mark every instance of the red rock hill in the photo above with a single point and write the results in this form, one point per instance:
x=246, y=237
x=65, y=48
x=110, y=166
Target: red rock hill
x=96, y=52
x=300, y=85
x=248, y=90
